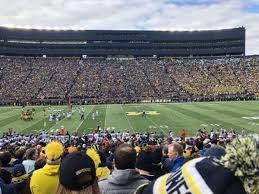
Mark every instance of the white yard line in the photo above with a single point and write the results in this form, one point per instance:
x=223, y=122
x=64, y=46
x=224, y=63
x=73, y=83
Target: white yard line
x=157, y=125
x=84, y=120
x=107, y=106
x=124, y=113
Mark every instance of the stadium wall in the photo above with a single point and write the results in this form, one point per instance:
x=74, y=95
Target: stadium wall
x=22, y=42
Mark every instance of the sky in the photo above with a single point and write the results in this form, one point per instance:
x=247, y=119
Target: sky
x=173, y=15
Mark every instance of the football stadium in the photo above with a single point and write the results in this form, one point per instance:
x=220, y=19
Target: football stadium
x=123, y=74
x=139, y=110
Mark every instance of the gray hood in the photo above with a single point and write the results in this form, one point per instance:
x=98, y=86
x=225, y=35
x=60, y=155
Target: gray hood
x=124, y=177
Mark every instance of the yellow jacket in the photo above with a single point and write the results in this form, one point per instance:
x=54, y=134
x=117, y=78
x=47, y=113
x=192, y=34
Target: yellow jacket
x=45, y=180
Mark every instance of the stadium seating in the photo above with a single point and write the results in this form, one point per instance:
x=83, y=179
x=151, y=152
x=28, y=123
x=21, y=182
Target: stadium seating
x=30, y=79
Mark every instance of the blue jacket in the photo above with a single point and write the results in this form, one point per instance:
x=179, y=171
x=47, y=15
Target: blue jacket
x=6, y=188
x=202, y=152
x=177, y=163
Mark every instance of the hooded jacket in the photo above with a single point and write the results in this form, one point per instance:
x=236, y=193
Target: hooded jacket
x=22, y=184
x=45, y=180
x=122, y=182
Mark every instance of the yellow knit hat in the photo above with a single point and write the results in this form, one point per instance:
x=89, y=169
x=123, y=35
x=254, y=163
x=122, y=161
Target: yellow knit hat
x=54, y=150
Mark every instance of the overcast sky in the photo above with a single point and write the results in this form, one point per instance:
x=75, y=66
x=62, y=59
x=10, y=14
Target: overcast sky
x=135, y=15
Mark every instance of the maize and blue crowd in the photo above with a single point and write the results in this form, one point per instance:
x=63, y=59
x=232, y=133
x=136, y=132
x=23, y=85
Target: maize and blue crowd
x=213, y=161
x=53, y=80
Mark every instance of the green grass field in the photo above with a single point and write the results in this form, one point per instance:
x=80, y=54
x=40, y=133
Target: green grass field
x=161, y=117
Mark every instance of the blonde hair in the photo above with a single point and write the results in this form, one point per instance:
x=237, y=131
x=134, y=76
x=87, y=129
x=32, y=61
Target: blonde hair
x=93, y=189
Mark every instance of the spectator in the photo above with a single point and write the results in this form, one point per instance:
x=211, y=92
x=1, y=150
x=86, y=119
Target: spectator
x=185, y=180
x=157, y=166
x=5, y=160
x=144, y=165
x=5, y=182
x=236, y=172
x=30, y=157
x=124, y=179
x=19, y=156
x=175, y=154
x=183, y=135
x=21, y=180
x=77, y=175
x=167, y=164
x=45, y=180
x=6, y=169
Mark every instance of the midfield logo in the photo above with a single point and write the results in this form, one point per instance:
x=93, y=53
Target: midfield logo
x=141, y=113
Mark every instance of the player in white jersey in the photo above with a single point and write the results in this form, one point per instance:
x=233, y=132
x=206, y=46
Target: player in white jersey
x=93, y=116
x=57, y=119
x=50, y=117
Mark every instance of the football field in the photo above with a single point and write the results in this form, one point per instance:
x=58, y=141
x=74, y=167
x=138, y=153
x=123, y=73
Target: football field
x=161, y=117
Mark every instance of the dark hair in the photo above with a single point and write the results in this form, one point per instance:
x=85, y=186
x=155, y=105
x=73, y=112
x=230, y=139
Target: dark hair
x=19, y=153
x=40, y=163
x=6, y=158
x=157, y=155
x=125, y=157
x=178, y=148
x=199, y=145
x=165, y=148
x=29, y=154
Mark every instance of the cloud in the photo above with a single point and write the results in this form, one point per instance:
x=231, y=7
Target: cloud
x=135, y=15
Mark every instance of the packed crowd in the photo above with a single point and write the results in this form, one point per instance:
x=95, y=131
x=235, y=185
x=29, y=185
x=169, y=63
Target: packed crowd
x=23, y=79
x=120, y=163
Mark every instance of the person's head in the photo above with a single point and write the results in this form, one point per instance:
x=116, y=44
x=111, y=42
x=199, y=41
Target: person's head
x=77, y=175
x=19, y=153
x=175, y=150
x=216, y=151
x=125, y=157
x=221, y=143
x=199, y=145
x=40, y=163
x=18, y=170
x=5, y=158
x=144, y=161
x=157, y=155
x=30, y=154
x=54, y=151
